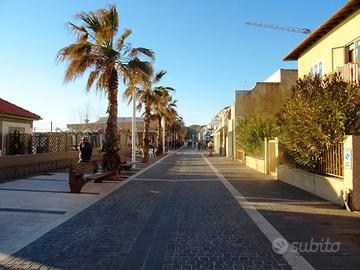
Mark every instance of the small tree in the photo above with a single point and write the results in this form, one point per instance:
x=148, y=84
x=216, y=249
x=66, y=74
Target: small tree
x=251, y=132
x=319, y=113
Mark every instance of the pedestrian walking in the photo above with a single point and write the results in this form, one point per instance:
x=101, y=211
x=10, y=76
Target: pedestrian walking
x=189, y=143
x=211, y=148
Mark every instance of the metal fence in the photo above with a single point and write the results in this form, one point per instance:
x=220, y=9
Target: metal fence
x=47, y=142
x=332, y=161
x=40, y=143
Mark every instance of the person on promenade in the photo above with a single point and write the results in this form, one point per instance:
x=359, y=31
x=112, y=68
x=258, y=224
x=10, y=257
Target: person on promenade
x=189, y=143
x=211, y=148
x=85, y=150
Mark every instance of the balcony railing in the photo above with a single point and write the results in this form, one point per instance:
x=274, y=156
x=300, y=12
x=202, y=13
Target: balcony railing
x=350, y=72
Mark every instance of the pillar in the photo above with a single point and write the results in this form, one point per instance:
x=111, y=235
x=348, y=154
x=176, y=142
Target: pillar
x=352, y=168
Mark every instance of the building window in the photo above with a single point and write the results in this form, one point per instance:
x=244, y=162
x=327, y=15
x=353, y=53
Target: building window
x=320, y=71
x=349, y=56
x=317, y=69
x=357, y=51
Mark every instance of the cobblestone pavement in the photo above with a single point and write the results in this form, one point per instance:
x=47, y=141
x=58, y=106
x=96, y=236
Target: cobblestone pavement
x=176, y=215
x=302, y=218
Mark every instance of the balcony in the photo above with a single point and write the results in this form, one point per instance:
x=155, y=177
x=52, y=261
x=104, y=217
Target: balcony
x=350, y=72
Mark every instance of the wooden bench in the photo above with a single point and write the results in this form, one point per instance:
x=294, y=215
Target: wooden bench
x=77, y=172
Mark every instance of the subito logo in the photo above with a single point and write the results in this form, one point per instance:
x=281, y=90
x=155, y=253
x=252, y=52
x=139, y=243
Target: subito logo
x=280, y=246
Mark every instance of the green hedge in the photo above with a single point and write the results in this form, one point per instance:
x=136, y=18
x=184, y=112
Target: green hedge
x=251, y=132
x=318, y=114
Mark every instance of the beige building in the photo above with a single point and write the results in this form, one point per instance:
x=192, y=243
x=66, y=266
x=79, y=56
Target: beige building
x=224, y=132
x=13, y=117
x=265, y=98
x=124, y=126
x=334, y=45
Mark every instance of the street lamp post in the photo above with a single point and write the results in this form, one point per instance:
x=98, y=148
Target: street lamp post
x=133, y=129
x=163, y=133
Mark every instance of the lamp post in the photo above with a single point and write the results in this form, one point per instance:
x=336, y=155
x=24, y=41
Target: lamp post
x=163, y=133
x=133, y=129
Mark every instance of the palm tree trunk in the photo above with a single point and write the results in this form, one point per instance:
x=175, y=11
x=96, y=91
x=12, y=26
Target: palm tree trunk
x=146, y=137
x=159, y=149
x=111, y=139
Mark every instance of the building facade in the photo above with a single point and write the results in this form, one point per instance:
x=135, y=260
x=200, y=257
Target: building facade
x=124, y=126
x=265, y=98
x=12, y=118
x=333, y=46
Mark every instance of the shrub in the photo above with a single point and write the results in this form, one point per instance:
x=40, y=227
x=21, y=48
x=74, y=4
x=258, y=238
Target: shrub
x=319, y=113
x=251, y=132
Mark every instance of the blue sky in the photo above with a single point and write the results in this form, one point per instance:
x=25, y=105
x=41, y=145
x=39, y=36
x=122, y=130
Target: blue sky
x=204, y=45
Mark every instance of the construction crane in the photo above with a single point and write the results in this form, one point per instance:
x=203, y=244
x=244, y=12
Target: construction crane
x=279, y=27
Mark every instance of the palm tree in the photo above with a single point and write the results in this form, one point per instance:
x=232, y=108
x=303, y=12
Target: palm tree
x=164, y=108
x=97, y=50
x=147, y=94
x=178, y=130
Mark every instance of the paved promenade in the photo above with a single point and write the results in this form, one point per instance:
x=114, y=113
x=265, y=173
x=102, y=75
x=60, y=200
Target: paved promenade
x=186, y=211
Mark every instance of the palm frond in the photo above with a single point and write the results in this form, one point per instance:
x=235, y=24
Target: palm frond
x=135, y=52
x=123, y=37
x=76, y=69
x=81, y=33
x=159, y=75
x=139, y=106
x=92, y=77
x=74, y=51
x=90, y=19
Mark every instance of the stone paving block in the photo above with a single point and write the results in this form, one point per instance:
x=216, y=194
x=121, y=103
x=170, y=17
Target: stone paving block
x=154, y=225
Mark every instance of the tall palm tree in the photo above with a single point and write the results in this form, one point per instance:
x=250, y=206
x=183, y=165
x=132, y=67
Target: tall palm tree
x=178, y=130
x=96, y=49
x=147, y=94
x=164, y=108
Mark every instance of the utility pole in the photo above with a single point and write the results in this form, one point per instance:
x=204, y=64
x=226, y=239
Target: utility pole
x=163, y=123
x=133, y=129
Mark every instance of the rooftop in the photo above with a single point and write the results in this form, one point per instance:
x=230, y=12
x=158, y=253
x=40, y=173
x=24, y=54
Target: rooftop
x=341, y=15
x=120, y=119
x=9, y=109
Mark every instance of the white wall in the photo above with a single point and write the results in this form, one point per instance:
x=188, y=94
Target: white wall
x=275, y=77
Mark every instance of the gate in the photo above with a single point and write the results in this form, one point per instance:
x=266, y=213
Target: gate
x=272, y=156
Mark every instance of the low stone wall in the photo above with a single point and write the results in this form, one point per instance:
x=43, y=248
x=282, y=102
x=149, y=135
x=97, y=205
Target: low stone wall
x=255, y=163
x=24, y=165
x=326, y=187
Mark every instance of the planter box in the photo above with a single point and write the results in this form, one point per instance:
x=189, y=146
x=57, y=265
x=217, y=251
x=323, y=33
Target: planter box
x=30, y=164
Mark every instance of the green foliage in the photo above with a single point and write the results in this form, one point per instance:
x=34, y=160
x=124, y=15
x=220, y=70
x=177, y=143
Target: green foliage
x=16, y=146
x=319, y=113
x=251, y=132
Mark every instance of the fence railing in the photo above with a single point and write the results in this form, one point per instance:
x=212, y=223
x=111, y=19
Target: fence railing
x=40, y=143
x=332, y=161
x=350, y=72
